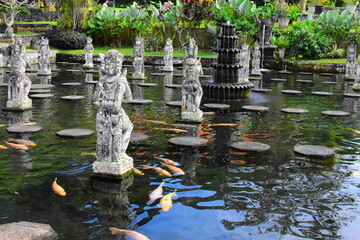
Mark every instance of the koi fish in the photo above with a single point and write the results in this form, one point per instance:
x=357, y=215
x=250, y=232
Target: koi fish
x=223, y=124
x=174, y=169
x=58, y=189
x=154, y=121
x=3, y=147
x=208, y=113
x=17, y=146
x=131, y=234
x=138, y=172
x=172, y=130
x=168, y=161
x=166, y=201
x=355, y=173
x=4, y=125
x=88, y=154
x=160, y=171
x=354, y=130
x=157, y=193
x=23, y=142
x=29, y=124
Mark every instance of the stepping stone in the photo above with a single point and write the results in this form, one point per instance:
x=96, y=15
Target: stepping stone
x=138, y=137
x=206, y=76
x=157, y=74
x=263, y=90
x=24, y=129
x=41, y=86
x=73, y=70
x=322, y=93
x=74, y=133
x=141, y=101
x=335, y=113
x=62, y=62
x=31, y=70
x=291, y=92
x=328, y=82
x=217, y=106
x=294, y=110
x=147, y=84
x=173, y=86
x=255, y=108
x=305, y=73
x=71, y=84
x=174, y=103
x=72, y=63
x=284, y=72
x=304, y=81
x=250, y=146
x=41, y=95
x=255, y=78
x=56, y=70
x=354, y=95
x=327, y=74
x=4, y=84
x=27, y=231
x=314, y=151
x=72, y=97
x=188, y=141
x=278, y=79
x=91, y=82
x=40, y=90
x=177, y=75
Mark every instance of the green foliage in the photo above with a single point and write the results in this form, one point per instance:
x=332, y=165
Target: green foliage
x=336, y=52
x=294, y=12
x=266, y=11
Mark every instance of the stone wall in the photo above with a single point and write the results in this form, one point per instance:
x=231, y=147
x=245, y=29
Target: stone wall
x=37, y=15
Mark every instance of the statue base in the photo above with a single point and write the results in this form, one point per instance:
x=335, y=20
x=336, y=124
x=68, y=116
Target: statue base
x=113, y=168
x=192, y=116
x=256, y=73
x=349, y=77
x=44, y=73
x=356, y=87
x=138, y=76
x=88, y=66
x=269, y=51
x=226, y=91
x=168, y=69
x=16, y=106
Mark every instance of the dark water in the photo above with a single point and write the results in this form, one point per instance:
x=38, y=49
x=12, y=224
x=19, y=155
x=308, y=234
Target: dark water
x=225, y=194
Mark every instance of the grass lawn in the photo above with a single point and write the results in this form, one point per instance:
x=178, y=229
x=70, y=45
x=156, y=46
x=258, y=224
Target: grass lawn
x=326, y=60
x=129, y=52
x=44, y=22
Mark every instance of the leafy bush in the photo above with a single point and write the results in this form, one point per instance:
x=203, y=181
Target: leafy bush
x=66, y=40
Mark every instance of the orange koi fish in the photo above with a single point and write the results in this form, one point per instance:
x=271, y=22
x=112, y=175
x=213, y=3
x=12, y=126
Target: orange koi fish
x=29, y=124
x=166, y=201
x=172, y=130
x=354, y=130
x=160, y=171
x=3, y=147
x=17, y=146
x=88, y=154
x=223, y=124
x=174, y=169
x=168, y=161
x=154, y=121
x=157, y=193
x=138, y=172
x=58, y=189
x=23, y=142
x=131, y=234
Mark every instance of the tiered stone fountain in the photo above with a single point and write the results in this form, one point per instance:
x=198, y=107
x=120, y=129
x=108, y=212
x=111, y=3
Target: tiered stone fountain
x=226, y=84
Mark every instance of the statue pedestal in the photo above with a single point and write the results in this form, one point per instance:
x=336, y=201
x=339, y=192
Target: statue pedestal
x=269, y=51
x=16, y=106
x=193, y=116
x=168, y=69
x=113, y=168
x=88, y=66
x=44, y=73
x=138, y=76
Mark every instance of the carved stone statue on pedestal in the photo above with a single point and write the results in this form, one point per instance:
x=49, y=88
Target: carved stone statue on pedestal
x=256, y=60
x=168, y=57
x=44, y=57
x=350, y=61
x=113, y=126
x=244, y=63
x=19, y=82
x=89, y=48
x=356, y=85
x=138, y=62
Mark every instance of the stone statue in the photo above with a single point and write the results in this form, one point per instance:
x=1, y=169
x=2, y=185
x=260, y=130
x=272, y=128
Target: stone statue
x=356, y=85
x=265, y=27
x=113, y=126
x=138, y=62
x=44, y=57
x=256, y=60
x=89, y=48
x=191, y=92
x=350, y=61
x=19, y=82
x=168, y=57
x=192, y=49
x=244, y=63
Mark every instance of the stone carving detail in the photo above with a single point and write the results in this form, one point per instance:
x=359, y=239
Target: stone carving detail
x=256, y=60
x=89, y=48
x=113, y=126
x=244, y=63
x=168, y=57
x=19, y=82
x=44, y=57
x=350, y=61
x=356, y=85
x=138, y=62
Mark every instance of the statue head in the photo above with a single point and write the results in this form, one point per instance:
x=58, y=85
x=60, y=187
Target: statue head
x=89, y=40
x=168, y=41
x=113, y=60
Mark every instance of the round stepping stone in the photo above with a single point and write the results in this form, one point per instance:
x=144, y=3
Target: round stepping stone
x=41, y=95
x=4, y=84
x=141, y=101
x=278, y=79
x=354, y=95
x=72, y=97
x=138, y=137
x=327, y=74
x=40, y=90
x=263, y=90
x=56, y=70
x=206, y=76
x=62, y=62
x=92, y=82
x=71, y=84
x=31, y=70
x=147, y=84
x=157, y=74
x=335, y=113
x=322, y=93
x=41, y=86
x=173, y=86
x=188, y=141
x=255, y=108
x=26, y=231
x=294, y=110
x=250, y=146
x=304, y=81
x=284, y=72
x=328, y=82
x=75, y=133
x=314, y=151
x=24, y=129
x=255, y=78
x=174, y=104
x=217, y=106
x=73, y=70
x=305, y=73
x=291, y=92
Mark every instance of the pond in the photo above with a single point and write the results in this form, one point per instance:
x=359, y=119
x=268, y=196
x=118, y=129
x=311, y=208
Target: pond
x=225, y=193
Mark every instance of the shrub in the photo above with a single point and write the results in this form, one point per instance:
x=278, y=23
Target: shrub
x=66, y=40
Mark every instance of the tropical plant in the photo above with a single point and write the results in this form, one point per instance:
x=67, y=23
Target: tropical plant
x=9, y=10
x=282, y=9
x=266, y=11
